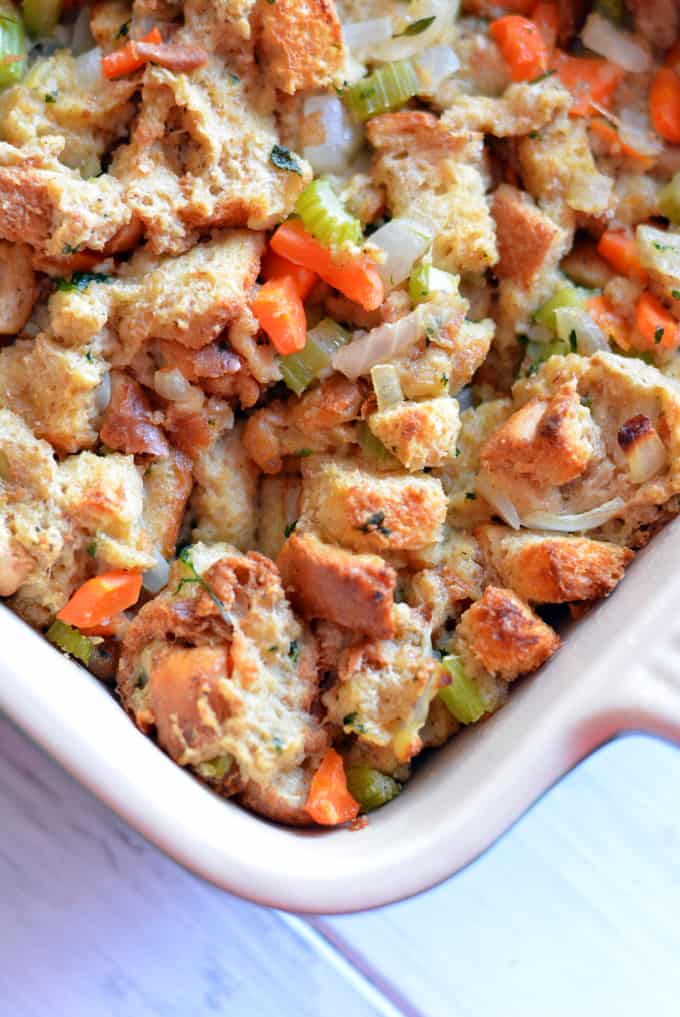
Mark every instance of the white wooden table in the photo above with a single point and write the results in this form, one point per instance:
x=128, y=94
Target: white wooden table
x=575, y=912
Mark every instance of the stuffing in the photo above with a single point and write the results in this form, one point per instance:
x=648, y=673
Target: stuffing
x=228, y=171
x=477, y=424
x=297, y=59
x=78, y=315
x=419, y=434
x=521, y=109
x=224, y=503
x=278, y=512
x=445, y=590
x=129, y=422
x=526, y=236
x=54, y=389
x=503, y=635
x=385, y=686
x=446, y=361
x=18, y=287
x=106, y=20
x=659, y=252
x=353, y=590
x=241, y=681
x=547, y=568
x=367, y=511
x=167, y=485
x=436, y=175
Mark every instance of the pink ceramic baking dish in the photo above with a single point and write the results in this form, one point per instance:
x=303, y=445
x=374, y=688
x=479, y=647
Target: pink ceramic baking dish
x=619, y=670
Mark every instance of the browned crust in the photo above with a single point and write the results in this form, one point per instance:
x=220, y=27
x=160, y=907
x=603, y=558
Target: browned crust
x=353, y=590
x=505, y=635
x=525, y=236
x=300, y=42
x=415, y=128
x=633, y=431
x=26, y=212
x=398, y=523
x=167, y=486
x=128, y=423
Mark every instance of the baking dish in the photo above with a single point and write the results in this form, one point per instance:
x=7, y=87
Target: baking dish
x=618, y=670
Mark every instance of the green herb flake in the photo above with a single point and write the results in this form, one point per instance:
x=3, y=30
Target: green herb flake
x=658, y=334
x=375, y=523
x=91, y=549
x=51, y=96
x=185, y=557
x=68, y=249
x=445, y=380
x=284, y=159
x=80, y=281
x=142, y=680
x=586, y=401
x=278, y=744
x=542, y=77
x=470, y=496
x=290, y=528
x=572, y=341
x=304, y=452
x=457, y=452
x=349, y=719
x=675, y=294
x=123, y=31
x=294, y=651
x=417, y=27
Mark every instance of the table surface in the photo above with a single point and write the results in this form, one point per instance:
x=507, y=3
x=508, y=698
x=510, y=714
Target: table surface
x=574, y=911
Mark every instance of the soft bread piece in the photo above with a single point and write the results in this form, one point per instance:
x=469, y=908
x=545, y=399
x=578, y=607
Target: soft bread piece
x=296, y=57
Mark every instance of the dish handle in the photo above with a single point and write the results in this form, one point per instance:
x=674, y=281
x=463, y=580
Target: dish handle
x=649, y=694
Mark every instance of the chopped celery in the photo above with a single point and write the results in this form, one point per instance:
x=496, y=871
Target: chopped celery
x=668, y=200
x=426, y=280
x=613, y=10
x=566, y=296
x=462, y=697
x=215, y=769
x=70, y=640
x=538, y=353
x=369, y=787
x=12, y=44
x=299, y=370
x=41, y=16
x=386, y=386
x=387, y=88
x=371, y=446
x=325, y=217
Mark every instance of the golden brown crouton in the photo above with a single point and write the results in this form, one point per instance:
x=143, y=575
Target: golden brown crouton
x=167, y=486
x=434, y=175
x=300, y=43
x=18, y=289
x=525, y=236
x=504, y=635
x=419, y=434
x=544, y=440
x=521, y=109
x=552, y=569
x=443, y=591
x=225, y=499
x=370, y=511
x=354, y=590
x=128, y=424
x=279, y=511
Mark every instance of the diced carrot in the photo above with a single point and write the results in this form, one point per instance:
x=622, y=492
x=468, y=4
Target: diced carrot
x=589, y=79
x=101, y=598
x=329, y=802
x=546, y=17
x=279, y=310
x=275, y=267
x=126, y=59
x=656, y=325
x=613, y=325
x=357, y=278
x=522, y=46
x=664, y=104
x=107, y=627
x=619, y=248
x=615, y=144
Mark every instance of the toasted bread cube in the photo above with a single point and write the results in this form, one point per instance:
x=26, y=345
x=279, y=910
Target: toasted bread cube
x=167, y=486
x=525, y=235
x=548, y=569
x=300, y=43
x=523, y=107
x=225, y=499
x=504, y=635
x=353, y=590
x=546, y=440
x=419, y=434
x=18, y=288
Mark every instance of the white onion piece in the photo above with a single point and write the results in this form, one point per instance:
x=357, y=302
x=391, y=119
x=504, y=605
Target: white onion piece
x=403, y=242
x=635, y=130
x=382, y=344
x=574, y=523
x=89, y=70
x=616, y=45
x=171, y=384
x=81, y=36
x=156, y=578
x=497, y=500
x=386, y=386
x=464, y=397
x=102, y=395
x=405, y=46
x=342, y=137
x=435, y=65
x=646, y=457
x=360, y=34
x=589, y=336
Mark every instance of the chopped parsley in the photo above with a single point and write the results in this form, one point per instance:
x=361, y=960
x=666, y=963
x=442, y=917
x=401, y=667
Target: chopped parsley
x=658, y=334
x=417, y=27
x=304, y=452
x=51, y=96
x=445, y=380
x=68, y=249
x=284, y=159
x=80, y=281
x=349, y=719
x=290, y=528
x=586, y=401
x=675, y=294
x=142, y=680
x=542, y=77
x=278, y=744
x=470, y=496
x=375, y=523
x=457, y=452
x=294, y=651
x=123, y=31
x=92, y=548
x=572, y=341
x=195, y=577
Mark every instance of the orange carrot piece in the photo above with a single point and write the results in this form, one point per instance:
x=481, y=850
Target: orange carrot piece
x=101, y=598
x=126, y=59
x=279, y=310
x=546, y=17
x=589, y=79
x=522, y=46
x=657, y=327
x=613, y=325
x=275, y=267
x=106, y=627
x=664, y=104
x=619, y=248
x=329, y=802
x=357, y=278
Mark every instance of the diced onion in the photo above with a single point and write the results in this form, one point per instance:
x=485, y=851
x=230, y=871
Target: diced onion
x=403, y=242
x=433, y=66
x=102, y=395
x=382, y=344
x=386, y=385
x=156, y=578
x=360, y=34
x=465, y=400
x=635, y=130
x=646, y=457
x=89, y=70
x=342, y=137
x=171, y=384
x=615, y=44
x=497, y=500
x=577, y=522
x=408, y=45
x=589, y=336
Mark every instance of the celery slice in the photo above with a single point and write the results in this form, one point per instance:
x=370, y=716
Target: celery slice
x=12, y=44
x=462, y=697
x=668, y=200
x=299, y=370
x=370, y=788
x=70, y=640
x=371, y=446
x=566, y=296
x=387, y=88
x=215, y=769
x=324, y=216
x=41, y=16
x=386, y=385
x=426, y=280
